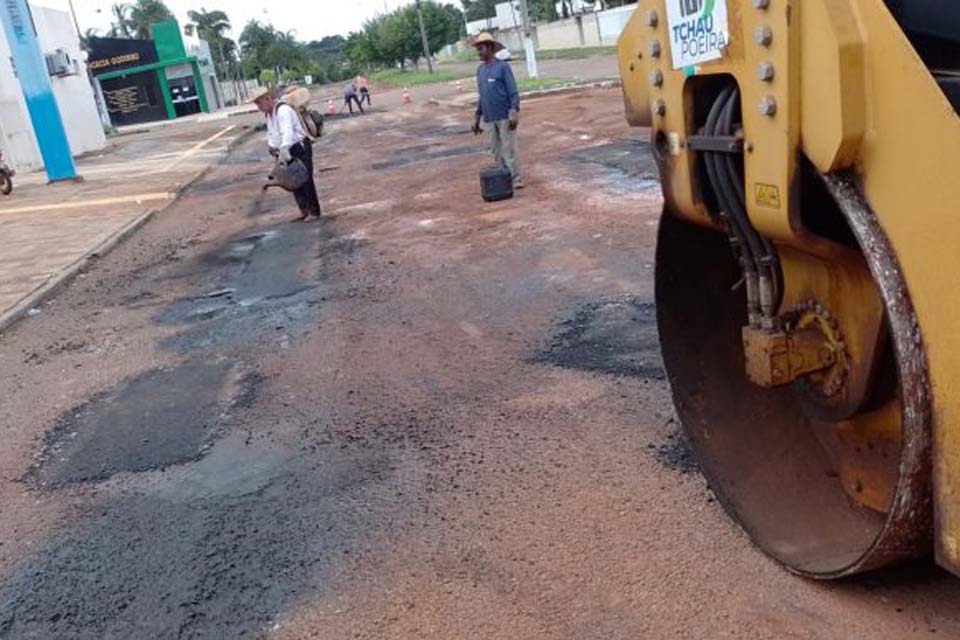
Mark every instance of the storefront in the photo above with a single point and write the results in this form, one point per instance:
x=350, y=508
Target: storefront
x=147, y=80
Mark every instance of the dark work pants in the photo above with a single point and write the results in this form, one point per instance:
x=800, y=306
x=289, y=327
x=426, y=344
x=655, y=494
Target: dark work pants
x=306, y=196
x=365, y=95
x=350, y=99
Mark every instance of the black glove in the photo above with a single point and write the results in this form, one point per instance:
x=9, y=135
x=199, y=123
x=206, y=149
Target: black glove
x=477, y=129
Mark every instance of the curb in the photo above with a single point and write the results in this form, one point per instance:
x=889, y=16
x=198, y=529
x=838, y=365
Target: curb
x=568, y=87
x=16, y=313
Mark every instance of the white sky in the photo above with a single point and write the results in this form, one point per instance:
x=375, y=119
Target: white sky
x=311, y=20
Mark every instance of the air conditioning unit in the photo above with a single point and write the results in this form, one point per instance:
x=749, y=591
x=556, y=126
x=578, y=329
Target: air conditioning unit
x=60, y=64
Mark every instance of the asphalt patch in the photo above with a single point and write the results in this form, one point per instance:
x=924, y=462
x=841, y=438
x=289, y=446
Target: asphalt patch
x=676, y=454
x=256, y=285
x=160, y=418
x=626, y=163
x=425, y=153
x=615, y=336
x=221, y=550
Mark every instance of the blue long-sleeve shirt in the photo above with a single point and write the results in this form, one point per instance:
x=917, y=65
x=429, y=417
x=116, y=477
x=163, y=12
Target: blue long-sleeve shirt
x=498, y=91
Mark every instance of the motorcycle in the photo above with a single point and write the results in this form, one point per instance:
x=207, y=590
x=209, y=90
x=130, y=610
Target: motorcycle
x=6, y=177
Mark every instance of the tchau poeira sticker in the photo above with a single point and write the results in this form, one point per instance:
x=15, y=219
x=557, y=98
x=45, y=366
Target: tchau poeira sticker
x=699, y=31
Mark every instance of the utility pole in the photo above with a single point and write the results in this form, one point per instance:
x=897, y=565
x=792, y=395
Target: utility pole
x=423, y=38
x=528, y=49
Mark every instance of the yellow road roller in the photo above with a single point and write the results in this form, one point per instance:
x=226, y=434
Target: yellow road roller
x=808, y=264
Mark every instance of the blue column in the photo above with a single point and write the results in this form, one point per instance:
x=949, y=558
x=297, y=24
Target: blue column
x=31, y=69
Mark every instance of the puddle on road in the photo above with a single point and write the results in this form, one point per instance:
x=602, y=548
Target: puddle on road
x=613, y=336
x=626, y=164
x=159, y=419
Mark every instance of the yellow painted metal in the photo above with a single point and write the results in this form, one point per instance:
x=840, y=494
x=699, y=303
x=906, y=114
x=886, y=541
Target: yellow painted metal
x=908, y=162
x=851, y=93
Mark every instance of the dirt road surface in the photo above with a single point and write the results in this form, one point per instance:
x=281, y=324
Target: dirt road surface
x=423, y=417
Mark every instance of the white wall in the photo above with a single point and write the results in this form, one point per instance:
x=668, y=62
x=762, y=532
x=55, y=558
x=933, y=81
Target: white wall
x=78, y=108
x=613, y=22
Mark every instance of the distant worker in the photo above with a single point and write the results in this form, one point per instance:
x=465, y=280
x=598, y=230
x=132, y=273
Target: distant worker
x=363, y=86
x=350, y=96
x=498, y=106
x=287, y=140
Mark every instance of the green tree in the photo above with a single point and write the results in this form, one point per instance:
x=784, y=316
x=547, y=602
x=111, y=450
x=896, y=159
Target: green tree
x=255, y=39
x=213, y=26
x=479, y=9
x=543, y=10
x=121, y=27
x=144, y=13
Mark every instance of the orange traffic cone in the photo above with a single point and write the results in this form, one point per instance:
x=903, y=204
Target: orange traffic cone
x=331, y=110
x=406, y=96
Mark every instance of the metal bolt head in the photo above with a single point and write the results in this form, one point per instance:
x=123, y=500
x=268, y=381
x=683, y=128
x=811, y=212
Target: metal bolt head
x=659, y=107
x=655, y=49
x=652, y=19
x=656, y=78
x=763, y=35
x=768, y=106
x=766, y=72
x=761, y=4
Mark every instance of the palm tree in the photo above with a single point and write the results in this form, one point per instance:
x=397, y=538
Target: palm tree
x=212, y=26
x=120, y=28
x=145, y=13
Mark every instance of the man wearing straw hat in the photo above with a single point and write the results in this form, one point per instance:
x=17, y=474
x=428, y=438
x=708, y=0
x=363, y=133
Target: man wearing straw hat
x=498, y=106
x=287, y=140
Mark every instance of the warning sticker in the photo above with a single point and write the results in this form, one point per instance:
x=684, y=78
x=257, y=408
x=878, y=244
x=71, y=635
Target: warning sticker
x=699, y=31
x=768, y=195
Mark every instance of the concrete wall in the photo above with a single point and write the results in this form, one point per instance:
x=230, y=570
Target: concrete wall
x=595, y=29
x=74, y=94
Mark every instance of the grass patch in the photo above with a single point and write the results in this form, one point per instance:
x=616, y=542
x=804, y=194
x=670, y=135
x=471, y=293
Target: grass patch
x=397, y=78
x=575, y=53
x=538, y=84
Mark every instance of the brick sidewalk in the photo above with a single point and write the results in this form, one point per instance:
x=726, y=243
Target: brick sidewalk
x=48, y=230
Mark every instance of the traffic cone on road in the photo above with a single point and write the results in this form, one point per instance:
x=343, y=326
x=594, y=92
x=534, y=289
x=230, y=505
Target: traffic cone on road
x=406, y=96
x=331, y=110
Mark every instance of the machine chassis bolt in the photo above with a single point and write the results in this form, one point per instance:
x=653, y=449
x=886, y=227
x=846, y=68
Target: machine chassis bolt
x=659, y=107
x=655, y=49
x=761, y=4
x=656, y=78
x=768, y=106
x=763, y=35
x=766, y=72
x=653, y=19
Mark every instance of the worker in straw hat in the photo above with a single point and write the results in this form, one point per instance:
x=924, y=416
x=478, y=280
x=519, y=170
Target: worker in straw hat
x=498, y=106
x=288, y=140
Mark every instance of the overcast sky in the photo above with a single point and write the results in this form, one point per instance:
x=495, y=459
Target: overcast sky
x=310, y=20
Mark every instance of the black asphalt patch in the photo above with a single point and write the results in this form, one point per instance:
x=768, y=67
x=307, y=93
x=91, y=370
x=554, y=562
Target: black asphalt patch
x=613, y=336
x=218, y=551
x=160, y=418
x=676, y=454
x=256, y=286
x=627, y=163
x=425, y=153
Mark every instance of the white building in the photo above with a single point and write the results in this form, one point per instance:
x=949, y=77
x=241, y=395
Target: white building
x=57, y=35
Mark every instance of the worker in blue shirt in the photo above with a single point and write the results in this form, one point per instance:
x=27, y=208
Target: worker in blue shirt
x=498, y=106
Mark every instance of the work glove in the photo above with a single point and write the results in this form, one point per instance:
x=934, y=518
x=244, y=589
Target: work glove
x=514, y=119
x=477, y=129
x=284, y=155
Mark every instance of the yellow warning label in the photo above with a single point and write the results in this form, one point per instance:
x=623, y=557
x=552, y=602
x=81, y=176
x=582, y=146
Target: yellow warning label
x=768, y=195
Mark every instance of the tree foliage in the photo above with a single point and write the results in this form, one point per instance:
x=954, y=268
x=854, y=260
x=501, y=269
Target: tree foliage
x=213, y=26
x=394, y=38
x=144, y=13
x=264, y=48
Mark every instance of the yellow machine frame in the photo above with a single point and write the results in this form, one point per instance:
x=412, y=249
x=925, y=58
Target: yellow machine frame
x=836, y=81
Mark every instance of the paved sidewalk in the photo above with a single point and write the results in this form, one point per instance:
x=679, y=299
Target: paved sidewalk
x=48, y=230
